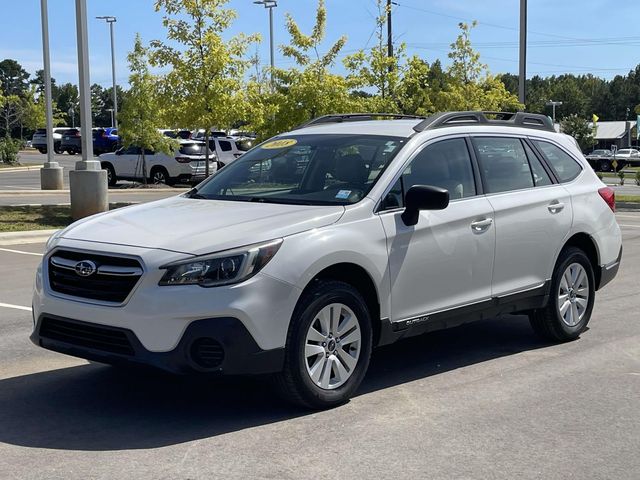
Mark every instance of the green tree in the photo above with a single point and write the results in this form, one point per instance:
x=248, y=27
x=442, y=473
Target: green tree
x=139, y=122
x=579, y=129
x=309, y=89
x=375, y=69
x=205, y=85
x=470, y=86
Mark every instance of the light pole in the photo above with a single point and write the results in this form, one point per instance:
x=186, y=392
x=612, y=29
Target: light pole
x=51, y=173
x=522, y=78
x=88, y=182
x=111, y=20
x=111, y=111
x=269, y=5
x=553, y=105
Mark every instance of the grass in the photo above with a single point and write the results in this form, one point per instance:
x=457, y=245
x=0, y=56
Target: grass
x=9, y=165
x=45, y=217
x=15, y=219
x=628, y=198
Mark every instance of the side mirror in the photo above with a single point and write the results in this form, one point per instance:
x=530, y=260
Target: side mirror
x=423, y=197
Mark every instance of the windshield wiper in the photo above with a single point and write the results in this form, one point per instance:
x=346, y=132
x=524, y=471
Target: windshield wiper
x=193, y=193
x=279, y=200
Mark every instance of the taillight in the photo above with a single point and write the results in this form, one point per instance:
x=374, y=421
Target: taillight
x=77, y=134
x=183, y=159
x=608, y=194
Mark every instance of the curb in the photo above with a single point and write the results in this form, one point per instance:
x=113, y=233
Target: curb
x=21, y=169
x=28, y=236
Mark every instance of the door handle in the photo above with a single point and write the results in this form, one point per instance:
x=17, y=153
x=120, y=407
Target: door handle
x=555, y=207
x=480, y=226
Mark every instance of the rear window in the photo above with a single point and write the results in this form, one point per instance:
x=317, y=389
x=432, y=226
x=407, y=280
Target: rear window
x=563, y=164
x=192, y=149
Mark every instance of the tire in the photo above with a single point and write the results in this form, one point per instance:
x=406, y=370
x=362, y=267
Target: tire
x=56, y=148
x=328, y=353
x=604, y=166
x=159, y=176
x=71, y=152
x=576, y=299
x=42, y=150
x=112, y=180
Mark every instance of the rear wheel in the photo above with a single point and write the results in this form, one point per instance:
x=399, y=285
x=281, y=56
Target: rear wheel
x=571, y=299
x=159, y=176
x=328, y=346
x=57, y=149
x=604, y=165
x=112, y=179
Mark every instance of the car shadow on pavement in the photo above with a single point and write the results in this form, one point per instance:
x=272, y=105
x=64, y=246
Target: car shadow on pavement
x=95, y=408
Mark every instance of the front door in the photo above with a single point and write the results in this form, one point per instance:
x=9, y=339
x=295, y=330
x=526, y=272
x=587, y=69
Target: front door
x=446, y=259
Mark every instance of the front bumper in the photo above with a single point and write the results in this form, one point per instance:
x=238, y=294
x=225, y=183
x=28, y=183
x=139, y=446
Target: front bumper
x=217, y=345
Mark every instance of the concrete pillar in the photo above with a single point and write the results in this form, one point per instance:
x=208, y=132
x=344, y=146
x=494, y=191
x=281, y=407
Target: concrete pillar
x=51, y=176
x=88, y=189
x=88, y=182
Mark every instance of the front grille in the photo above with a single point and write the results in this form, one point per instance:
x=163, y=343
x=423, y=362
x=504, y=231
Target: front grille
x=106, y=339
x=207, y=353
x=112, y=280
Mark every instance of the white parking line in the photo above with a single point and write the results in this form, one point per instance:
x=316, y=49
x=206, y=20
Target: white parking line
x=17, y=307
x=629, y=226
x=19, y=251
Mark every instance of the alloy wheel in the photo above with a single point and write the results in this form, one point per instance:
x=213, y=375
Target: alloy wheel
x=332, y=346
x=573, y=294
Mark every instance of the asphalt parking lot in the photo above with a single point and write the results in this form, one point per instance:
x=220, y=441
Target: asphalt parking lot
x=484, y=401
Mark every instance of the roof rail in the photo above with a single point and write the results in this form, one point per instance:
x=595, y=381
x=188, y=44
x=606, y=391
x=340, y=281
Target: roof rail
x=355, y=117
x=506, y=119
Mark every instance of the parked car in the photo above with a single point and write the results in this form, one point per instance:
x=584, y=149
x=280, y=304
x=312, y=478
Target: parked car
x=186, y=165
x=324, y=242
x=39, y=139
x=105, y=140
x=226, y=150
x=628, y=156
x=71, y=141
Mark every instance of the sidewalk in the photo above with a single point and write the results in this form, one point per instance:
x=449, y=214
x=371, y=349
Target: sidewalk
x=61, y=197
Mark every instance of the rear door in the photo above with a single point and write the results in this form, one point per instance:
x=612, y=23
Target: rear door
x=446, y=259
x=532, y=212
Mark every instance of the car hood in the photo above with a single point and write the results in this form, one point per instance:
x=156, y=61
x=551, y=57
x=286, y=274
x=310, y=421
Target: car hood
x=194, y=226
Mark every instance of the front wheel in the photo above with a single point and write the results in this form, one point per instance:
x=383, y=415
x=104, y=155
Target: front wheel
x=604, y=165
x=570, y=301
x=112, y=179
x=328, y=346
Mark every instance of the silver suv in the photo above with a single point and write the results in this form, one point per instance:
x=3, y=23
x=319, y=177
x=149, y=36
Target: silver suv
x=322, y=243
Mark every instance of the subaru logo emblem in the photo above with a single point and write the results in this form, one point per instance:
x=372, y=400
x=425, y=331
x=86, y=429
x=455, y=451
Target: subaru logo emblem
x=84, y=268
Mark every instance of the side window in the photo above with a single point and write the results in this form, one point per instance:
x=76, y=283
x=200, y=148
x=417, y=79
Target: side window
x=445, y=164
x=225, y=146
x=504, y=164
x=563, y=164
x=540, y=176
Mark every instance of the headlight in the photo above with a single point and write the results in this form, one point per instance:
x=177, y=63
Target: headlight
x=223, y=268
x=52, y=241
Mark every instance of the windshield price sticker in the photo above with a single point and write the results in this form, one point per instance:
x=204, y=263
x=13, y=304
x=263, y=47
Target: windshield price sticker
x=285, y=142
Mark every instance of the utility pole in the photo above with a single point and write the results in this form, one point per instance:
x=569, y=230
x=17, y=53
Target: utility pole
x=270, y=5
x=111, y=20
x=389, y=30
x=88, y=182
x=51, y=173
x=522, y=94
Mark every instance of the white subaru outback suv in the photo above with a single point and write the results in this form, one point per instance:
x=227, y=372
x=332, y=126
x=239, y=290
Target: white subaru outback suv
x=322, y=243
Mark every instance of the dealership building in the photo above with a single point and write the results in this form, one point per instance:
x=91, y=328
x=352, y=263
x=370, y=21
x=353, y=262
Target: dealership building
x=622, y=134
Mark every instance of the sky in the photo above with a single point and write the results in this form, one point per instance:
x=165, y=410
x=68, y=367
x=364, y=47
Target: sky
x=565, y=36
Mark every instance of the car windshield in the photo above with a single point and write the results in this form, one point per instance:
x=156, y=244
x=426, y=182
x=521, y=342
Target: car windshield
x=305, y=169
